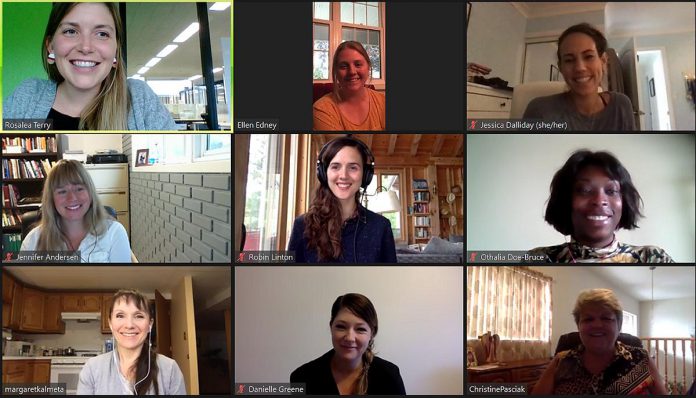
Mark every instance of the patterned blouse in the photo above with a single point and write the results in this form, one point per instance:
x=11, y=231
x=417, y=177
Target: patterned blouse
x=615, y=253
x=628, y=373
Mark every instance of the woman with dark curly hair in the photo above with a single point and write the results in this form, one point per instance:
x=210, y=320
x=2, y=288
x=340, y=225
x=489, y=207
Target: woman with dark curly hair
x=336, y=225
x=592, y=196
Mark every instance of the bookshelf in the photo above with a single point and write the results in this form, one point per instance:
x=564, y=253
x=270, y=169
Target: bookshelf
x=422, y=225
x=26, y=160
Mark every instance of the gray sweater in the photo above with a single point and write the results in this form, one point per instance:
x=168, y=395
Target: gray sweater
x=617, y=116
x=33, y=99
x=101, y=376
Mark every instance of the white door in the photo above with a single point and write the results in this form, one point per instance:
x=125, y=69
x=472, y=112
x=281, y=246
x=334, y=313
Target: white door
x=630, y=78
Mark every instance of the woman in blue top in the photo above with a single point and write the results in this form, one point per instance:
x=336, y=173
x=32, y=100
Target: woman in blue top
x=87, y=87
x=337, y=228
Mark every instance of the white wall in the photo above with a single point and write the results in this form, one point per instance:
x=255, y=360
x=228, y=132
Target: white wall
x=91, y=143
x=508, y=178
x=568, y=282
x=80, y=336
x=282, y=321
x=495, y=38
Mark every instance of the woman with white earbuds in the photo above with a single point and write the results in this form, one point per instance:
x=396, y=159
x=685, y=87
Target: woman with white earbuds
x=87, y=87
x=133, y=367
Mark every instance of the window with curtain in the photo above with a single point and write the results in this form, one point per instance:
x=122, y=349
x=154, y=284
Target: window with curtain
x=513, y=302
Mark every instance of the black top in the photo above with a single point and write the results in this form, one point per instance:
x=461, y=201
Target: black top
x=63, y=122
x=383, y=378
x=367, y=238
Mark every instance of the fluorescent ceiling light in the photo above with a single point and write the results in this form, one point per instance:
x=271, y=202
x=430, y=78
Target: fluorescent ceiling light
x=142, y=70
x=167, y=50
x=153, y=62
x=219, y=6
x=216, y=70
x=135, y=76
x=192, y=78
x=188, y=32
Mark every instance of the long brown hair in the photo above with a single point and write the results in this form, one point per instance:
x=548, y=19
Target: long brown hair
x=323, y=220
x=361, y=307
x=109, y=109
x=53, y=236
x=141, y=364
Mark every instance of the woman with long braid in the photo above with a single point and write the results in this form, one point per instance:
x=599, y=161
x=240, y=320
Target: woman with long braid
x=351, y=367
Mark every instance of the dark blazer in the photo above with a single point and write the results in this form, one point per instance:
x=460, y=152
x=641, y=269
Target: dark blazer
x=383, y=378
x=365, y=239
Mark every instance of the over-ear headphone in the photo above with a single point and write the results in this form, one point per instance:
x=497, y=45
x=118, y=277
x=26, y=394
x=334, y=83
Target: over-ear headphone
x=368, y=167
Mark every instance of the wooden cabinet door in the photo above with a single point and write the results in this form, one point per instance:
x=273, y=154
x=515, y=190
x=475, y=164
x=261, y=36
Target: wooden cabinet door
x=106, y=303
x=42, y=372
x=52, y=319
x=6, y=314
x=16, y=313
x=14, y=371
x=32, y=310
x=72, y=302
x=91, y=303
x=7, y=288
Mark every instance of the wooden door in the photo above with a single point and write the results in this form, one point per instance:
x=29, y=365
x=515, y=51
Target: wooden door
x=32, y=310
x=16, y=317
x=163, y=325
x=183, y=331
x=106, y=303
x=42, y=372
x=7, y=288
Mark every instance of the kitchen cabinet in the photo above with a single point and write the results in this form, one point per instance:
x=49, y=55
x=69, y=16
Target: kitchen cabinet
x=35, y=371
x=106, y=303
x=81, y=302
x=52, y=309
x=32, y=310
x=7, y=288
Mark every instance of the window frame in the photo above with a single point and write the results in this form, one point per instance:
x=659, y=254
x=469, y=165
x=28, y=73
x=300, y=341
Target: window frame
x=335, y=34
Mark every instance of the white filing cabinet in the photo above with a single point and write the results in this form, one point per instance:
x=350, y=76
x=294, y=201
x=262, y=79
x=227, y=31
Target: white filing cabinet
x=111, y=182
x=483, y=102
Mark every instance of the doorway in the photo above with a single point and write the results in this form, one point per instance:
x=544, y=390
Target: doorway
x=654, y=90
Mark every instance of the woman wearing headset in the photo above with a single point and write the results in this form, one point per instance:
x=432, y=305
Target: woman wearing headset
x=336, y=225
x=132, y=368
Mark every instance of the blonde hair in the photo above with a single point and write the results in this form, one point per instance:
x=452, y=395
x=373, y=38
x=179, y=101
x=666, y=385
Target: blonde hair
x=52, y=236
x=109, y=109
x=353, y=45
x=603, y=297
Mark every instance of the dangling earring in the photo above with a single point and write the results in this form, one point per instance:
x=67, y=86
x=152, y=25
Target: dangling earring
x=51, y=57
x=115, y=62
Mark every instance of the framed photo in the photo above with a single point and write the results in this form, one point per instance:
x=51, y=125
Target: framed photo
x=141, y=157
x=470, y=357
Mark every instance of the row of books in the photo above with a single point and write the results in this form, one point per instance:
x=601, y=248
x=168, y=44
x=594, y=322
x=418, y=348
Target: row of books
x=11, y=242
x=420, y=184
x=22, y=168
x=422, y=233
x=421, y=208
x=29, y=144
x=421, y=196
x=422, y=221
x=12, y=198
x=11, y=217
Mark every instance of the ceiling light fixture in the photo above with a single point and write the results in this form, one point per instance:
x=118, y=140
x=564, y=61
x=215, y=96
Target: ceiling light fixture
x=167, y=50
x=188, y=32
x=152, y=62
x=142, y=70
x=216, y=70
x=220, y=6
x=195, y=77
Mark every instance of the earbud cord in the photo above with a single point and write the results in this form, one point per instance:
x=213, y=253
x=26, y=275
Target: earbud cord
x=149, y=346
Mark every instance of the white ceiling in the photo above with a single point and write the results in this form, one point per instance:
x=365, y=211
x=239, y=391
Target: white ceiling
x=623, y=18
x=212, y=285
x=152, y=26
x=670, y=282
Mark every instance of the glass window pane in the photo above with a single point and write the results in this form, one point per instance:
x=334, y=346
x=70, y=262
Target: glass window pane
x=347, y=12
x=321, y=10
x=361, y=36
x=373, y=3
x=373, y=16
x=360, y=14
x=321, y=37
x=391, y=183
x=373, y=50
x=321, y=65
x=218, y=141
x=347, y=34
